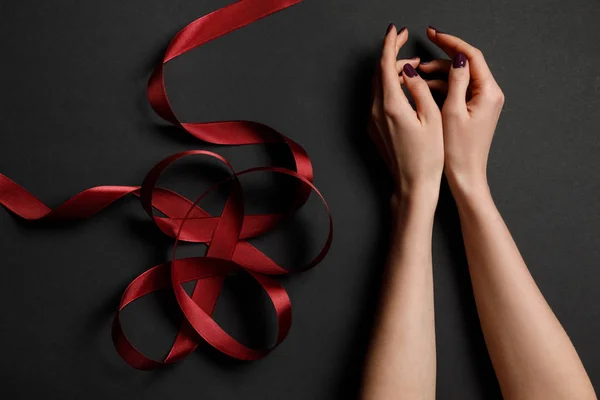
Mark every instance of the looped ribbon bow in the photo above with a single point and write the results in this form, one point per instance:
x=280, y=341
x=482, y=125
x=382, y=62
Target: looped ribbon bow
x=225, y=235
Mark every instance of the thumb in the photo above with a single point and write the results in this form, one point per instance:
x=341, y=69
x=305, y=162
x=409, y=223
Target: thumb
x=458, y=83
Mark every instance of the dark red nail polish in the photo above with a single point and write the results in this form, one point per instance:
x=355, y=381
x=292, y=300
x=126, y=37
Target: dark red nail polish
x=460, y=60
x=409, y=70
x=390, y=27
x=435, y=29
x=401, y=30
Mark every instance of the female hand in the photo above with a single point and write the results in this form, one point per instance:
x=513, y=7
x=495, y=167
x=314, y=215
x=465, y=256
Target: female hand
x=470, y=112
x=402, y=352
x=410, y=141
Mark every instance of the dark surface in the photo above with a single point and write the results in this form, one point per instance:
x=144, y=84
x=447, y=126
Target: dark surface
x=74, y=115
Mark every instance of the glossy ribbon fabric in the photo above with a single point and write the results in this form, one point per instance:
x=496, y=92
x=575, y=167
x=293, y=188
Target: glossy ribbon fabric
x=225, y=235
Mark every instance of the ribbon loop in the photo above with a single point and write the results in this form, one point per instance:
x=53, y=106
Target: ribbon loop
x=225, y=235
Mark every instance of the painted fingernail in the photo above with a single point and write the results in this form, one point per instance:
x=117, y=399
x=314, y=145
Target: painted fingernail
x=390, y=27
x=460, y=60
x=401, y=30
x=409, y=70
x=425, y=62
x=435, y=29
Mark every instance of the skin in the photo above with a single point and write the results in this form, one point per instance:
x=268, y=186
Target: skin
x=532, y=355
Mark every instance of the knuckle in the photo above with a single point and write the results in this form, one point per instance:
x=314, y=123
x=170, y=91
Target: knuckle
x=451, y=111
x=459, y=76
x=390, y=109
x=500, y=97
x=375, y=114
x=417, y=87
x=495, y=95
x=433, y=116
x=477, y=53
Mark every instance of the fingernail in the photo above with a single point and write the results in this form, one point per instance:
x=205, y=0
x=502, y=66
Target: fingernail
x=409, y=70
x=425, y=62
x=401, y=30
x=460, y=60
x=390, y=27
x=435, y=29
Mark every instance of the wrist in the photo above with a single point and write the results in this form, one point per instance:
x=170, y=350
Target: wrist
x=471, y=193
x=466, y=186
x=421, y=198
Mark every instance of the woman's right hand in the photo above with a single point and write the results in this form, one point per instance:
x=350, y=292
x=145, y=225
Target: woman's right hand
x=470, y=112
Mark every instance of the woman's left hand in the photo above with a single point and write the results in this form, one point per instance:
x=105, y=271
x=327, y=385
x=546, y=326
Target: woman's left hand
x=410, y=141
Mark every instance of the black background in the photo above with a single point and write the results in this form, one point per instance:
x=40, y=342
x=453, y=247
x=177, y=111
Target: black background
x=74, y=115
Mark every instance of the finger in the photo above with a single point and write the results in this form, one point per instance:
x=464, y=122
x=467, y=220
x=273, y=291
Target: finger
x=393, y=96
x=401, y=38
x=400, y=63
x=452, y=45
x=379, y=138
x=435, y=66
x=458, y=84
x=438, y=85
x=412, y=61
x=389, y=80
x=427, y=108
x=376, y=113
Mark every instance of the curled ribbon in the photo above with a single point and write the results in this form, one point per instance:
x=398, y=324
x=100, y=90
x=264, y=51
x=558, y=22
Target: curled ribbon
x=226, y=235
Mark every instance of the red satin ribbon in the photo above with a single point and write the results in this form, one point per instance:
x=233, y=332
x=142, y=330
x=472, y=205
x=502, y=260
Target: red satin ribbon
x=226, y=235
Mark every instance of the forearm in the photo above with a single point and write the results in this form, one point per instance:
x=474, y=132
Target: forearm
x=531, y=353
x=401, y=362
